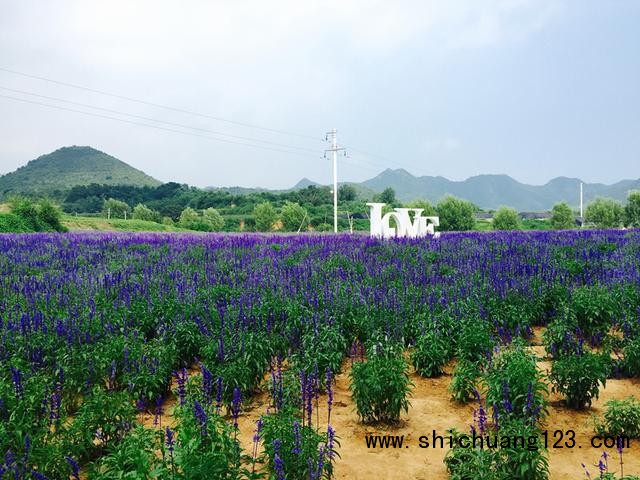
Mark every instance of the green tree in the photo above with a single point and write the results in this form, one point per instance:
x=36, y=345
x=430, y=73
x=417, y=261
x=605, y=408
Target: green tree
x=388, y=195
x=265, y=216
x=142, y=212
x=51, y=215
x=506, y=218
x=346, y=193
x=212, y=217
x=190, y=219
x=115, y=208
x=428, y=209
x=294, y=217
x=632, y=210
x=604, y=213
x=455, y=214
x=562, y=216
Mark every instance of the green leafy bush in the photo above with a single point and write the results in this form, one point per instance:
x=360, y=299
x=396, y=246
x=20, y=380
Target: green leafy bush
x=560, y=338
x=134, y=458
x=475, y=341
x=103, y=420
x=464, y=380
x=505, y=459
x=380, y=386
x=431, y=353
x=594, y=307
x=206, y=447
x=631, y=362
x=621, y=418
x=506, y=218
x=298, y=450
x=578, y=377
x=515, y=387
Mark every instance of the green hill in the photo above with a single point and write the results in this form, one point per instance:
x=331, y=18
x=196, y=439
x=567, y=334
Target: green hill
x=68, y=167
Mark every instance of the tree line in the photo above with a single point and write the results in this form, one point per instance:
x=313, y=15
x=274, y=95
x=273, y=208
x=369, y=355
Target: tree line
x=311, y=208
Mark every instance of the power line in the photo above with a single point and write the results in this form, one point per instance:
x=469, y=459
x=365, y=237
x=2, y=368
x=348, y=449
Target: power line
x=131, y=122
x=159, y=105
x=140, y=117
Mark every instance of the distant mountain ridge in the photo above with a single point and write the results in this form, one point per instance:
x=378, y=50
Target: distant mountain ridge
x=492, y=191
x=68, y=167
x=71, y=166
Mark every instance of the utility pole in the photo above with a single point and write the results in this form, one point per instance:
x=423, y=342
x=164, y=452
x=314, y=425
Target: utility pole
x=334, y=150
x=581, y=213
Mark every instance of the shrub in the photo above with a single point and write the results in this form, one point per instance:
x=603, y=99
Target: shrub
x=578, y=377
x=562, y=216
x=294, y=217
x=455, y=214
x=380, y=386
x=103, y=416
x=515, y=388
x=621, y=418
x=135, y=457
x=604, y=213
x=11, y=223
x=213, y=219
x=295, y=450
x=506, y=218
x=475, y=342
x=519, y=454
x=206, y=446
x=594, y=307
x=464, y=380
x=560, y=338
x=430, y=355
x=115, y=208
x=632, y=210
x=631, y=362
x=321, y=350
x=265, y=216
x=50, y=215
x=142, y=212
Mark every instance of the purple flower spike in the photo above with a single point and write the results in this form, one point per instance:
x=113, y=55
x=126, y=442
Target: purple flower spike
x=75, y=468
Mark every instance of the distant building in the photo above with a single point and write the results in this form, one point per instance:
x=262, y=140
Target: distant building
x=535, y=215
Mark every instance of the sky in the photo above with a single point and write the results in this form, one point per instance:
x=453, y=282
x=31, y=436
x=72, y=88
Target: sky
x=242, y=92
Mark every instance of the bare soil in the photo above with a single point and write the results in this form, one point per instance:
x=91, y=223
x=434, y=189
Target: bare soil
x=432, y=409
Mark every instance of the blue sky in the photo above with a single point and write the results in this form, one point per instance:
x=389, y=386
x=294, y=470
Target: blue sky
x=533, y=89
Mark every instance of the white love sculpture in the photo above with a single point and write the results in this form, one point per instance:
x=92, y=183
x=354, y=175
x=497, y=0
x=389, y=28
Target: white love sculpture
x=405, y=227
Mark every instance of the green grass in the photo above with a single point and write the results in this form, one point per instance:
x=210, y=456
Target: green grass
x=96, y=223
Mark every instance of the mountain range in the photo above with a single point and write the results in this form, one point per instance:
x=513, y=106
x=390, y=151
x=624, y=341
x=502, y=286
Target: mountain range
x=492, y=191
x=71, y=166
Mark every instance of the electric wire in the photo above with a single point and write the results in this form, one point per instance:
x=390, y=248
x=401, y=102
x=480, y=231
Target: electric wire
x=131, y=122
x=140, y=117
x=159, y=105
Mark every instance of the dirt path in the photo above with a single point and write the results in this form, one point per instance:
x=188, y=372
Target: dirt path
x=432, y=409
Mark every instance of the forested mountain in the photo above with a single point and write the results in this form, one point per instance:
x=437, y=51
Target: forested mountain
x=68, y=167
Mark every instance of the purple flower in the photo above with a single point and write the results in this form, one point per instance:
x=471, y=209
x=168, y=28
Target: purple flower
x=297, y=444
x=331, y=436
x=75, y=468
x=329, y=394
x=181, y=378
x=207, y=384
x=219, y=391
x=277, y=460
x=157, y=418
x=201, y=417
x=482, y=419
x=170, y=440
x=235, y=406
x=16, y=378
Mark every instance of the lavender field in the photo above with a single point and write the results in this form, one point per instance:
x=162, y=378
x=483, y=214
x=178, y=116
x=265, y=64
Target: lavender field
x=202, y=332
